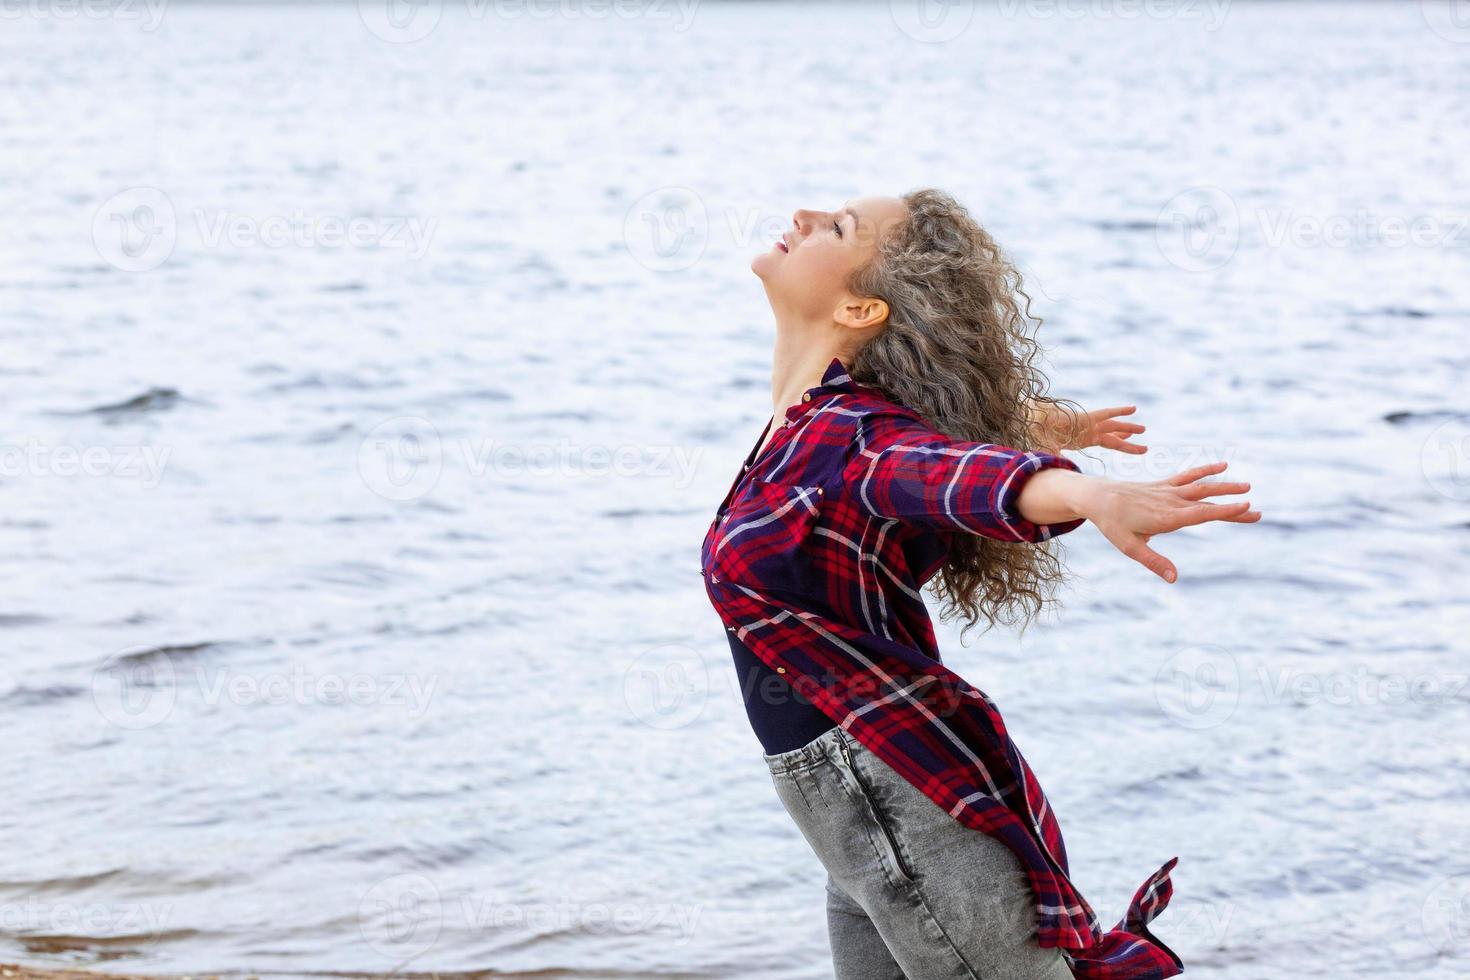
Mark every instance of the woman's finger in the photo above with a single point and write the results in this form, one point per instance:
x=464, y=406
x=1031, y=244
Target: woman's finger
x=1153, y=561
x=1198, y=473
x=1120, y=444
x=1200, y=513
x=1249, y=517
x=1203, y=489
x=1114, y=426
x=1098, y=414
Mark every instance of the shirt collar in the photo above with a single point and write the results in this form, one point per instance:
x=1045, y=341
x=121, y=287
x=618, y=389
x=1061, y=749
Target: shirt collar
x=835, y=378
x=834, y=381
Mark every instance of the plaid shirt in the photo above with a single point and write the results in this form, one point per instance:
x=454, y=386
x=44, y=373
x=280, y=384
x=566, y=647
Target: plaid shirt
x=816, y=560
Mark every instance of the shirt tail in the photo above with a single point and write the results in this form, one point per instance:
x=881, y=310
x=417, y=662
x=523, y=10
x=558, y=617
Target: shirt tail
x=1129, y=951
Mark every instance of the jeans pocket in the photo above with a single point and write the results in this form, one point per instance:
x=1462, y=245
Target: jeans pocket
x=879, y=826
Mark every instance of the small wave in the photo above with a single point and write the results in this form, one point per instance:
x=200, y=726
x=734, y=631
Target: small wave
x=1407, y=312
x=1408, y=417
x=1110, y=225
x=106, y=947
x=12, y=620
x=22, y=696
x=163, y=652
x=152, y=400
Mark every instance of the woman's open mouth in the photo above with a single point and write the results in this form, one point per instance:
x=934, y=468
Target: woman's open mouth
x=781, y=244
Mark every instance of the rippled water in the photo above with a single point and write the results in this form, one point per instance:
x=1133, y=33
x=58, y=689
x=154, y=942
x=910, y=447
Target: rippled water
x=365, y=403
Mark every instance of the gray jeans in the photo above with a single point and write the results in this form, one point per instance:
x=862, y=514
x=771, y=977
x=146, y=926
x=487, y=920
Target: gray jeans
x=911, y=892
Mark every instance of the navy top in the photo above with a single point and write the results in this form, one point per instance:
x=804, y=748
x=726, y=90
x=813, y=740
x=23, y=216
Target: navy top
x=782, y=717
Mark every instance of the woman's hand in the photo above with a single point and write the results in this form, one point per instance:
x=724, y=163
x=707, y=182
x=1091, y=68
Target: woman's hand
x=1129, y=514
x=1060, y=428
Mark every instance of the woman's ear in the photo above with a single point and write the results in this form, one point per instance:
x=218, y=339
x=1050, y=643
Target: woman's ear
x=862, y=313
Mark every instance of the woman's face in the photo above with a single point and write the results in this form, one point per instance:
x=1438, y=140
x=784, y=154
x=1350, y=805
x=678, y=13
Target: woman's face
x=807, y=270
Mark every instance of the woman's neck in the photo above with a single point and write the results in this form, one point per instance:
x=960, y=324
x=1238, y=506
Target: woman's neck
x=795, y=367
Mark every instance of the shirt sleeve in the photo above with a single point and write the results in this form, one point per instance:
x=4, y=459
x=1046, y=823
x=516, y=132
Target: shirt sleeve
x=906, y=471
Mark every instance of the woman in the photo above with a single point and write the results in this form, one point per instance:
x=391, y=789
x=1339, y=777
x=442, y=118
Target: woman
x=903, y=371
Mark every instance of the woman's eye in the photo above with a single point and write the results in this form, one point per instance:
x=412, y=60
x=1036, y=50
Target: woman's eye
x=837, y=227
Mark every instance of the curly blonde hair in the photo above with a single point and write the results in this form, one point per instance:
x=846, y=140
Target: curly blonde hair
x=958, y=349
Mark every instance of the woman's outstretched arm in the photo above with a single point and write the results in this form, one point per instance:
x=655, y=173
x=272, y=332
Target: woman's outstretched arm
x=1129, y=514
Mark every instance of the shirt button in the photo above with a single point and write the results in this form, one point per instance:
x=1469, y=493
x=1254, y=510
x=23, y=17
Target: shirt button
x=806, y=396
x=780, y=670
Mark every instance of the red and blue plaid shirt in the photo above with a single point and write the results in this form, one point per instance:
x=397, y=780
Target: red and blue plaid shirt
x=816, y=560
